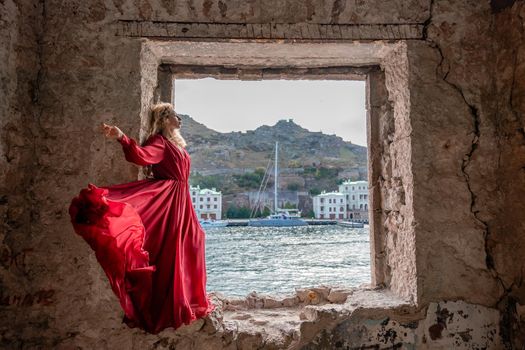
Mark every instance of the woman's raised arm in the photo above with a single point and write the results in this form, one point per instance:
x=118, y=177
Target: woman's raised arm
x=151, y=153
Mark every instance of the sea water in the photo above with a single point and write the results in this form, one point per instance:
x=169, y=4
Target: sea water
x=276, y=260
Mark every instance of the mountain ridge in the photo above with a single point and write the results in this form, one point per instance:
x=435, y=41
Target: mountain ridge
x=251, y=149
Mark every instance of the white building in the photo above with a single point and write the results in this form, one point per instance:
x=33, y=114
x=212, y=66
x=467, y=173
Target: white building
x=356, y=195
x=207, y=203
x=330, y=205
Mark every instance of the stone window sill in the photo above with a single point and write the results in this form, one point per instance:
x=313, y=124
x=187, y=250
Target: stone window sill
x=290, y=321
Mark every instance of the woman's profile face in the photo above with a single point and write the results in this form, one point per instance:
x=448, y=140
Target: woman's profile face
x=173, y=121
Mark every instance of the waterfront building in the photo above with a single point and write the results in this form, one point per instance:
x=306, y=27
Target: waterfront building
x=356, y=195
x=330, y=205
x=207, y=203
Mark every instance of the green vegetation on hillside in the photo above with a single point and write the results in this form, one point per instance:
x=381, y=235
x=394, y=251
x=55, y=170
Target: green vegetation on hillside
x=219, y=182
x=347, y=154
x=314, y=191
x=293, y=186
x=321, y=172
x=250, y=180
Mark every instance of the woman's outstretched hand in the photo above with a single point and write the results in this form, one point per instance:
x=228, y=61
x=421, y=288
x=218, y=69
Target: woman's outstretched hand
x=111, y=131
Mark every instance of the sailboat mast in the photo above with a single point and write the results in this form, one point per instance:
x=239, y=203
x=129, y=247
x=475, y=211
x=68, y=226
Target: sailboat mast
x=275, y=177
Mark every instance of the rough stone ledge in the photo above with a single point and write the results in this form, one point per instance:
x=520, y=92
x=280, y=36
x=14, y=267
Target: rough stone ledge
x=320, y=317
x=288, y=321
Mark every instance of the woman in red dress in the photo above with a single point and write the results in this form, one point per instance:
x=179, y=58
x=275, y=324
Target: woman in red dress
x=145, y=234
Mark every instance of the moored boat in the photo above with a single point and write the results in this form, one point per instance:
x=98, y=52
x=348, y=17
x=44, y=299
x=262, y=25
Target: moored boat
x=280, y=217
x=283, y=218
x=213, y=223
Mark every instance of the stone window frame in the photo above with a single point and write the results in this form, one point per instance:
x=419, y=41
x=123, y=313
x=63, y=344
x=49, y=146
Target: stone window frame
x=384, y=67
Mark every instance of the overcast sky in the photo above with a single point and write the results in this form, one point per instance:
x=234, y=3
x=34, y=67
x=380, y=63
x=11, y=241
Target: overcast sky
x=333, y=107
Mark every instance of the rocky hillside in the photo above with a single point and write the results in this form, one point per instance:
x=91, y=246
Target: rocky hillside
x=236, y=152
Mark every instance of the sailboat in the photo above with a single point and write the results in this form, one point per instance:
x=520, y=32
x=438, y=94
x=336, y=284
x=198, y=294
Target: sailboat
x=279, y=217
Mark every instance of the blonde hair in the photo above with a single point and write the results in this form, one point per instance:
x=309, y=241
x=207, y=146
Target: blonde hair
x=158, y=116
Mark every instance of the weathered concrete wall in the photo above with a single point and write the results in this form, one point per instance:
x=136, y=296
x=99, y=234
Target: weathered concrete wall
x=453, y=219
x=274, y=11
x=455, y=138
x=78, y=73
x=399, y=243
x=506, y=233
x=448, y=232
x=445, y=325
x=20, y=74
x=507, y=238
x=468, y=157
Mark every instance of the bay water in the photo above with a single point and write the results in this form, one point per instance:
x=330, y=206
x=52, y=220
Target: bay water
x=276, y=260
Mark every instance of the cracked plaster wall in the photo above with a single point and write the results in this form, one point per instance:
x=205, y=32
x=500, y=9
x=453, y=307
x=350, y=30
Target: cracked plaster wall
x=64, y=68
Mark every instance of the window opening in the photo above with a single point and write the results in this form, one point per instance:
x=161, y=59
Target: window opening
x=234, y=162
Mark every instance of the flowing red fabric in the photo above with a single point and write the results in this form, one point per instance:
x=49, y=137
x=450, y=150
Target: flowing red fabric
x=147, y=238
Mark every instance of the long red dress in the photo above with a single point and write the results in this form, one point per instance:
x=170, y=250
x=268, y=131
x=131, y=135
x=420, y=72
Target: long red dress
x=147, y=238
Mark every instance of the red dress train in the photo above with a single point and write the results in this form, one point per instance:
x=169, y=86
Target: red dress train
x=147, y=238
